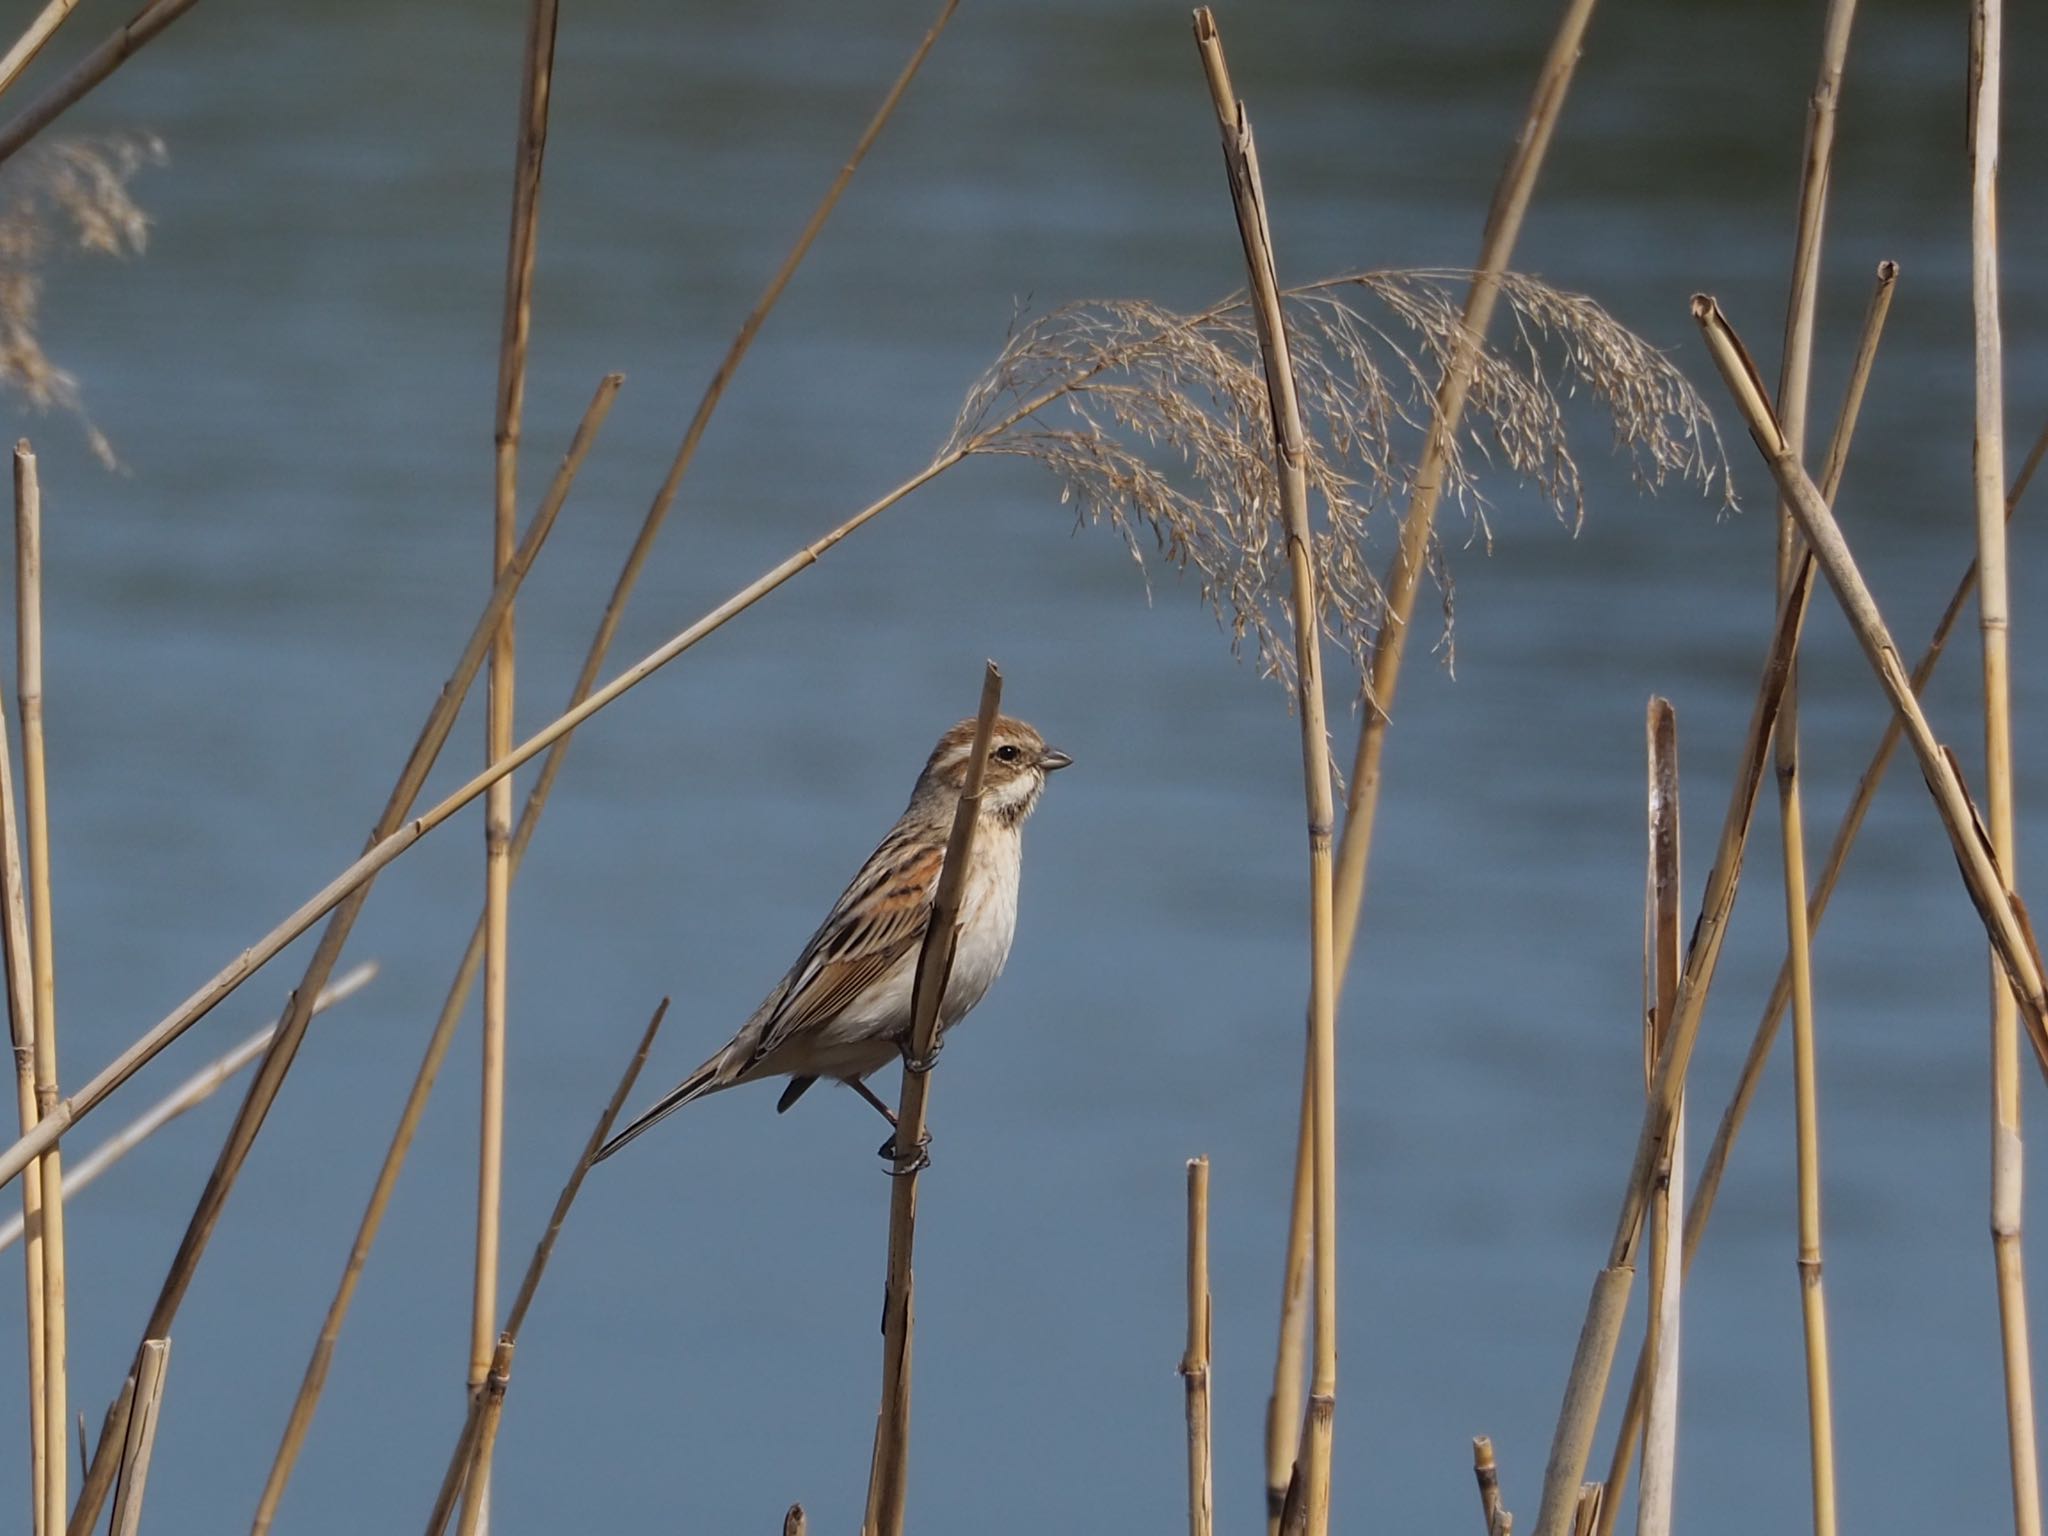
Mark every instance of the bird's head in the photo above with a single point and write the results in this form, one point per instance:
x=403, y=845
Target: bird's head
x=1018, y=761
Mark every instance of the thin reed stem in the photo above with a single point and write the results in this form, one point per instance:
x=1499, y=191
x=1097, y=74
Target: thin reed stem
x=1976, y=860
x=1241, y=167
x=140, y=1438
x=314, y=1380
x=1402, y=585
x=470, y=1467
x=1498, y=1521
x=1663, y=961
x=188, y=1095
x=35, y=805
x=1792, y=408
x=89, y=72
x=388, y=838
x=536, y=80
x=21, y=1013
x=1994, y=613
x=1194, y=1363
x=1710, y=1174
x=889, y=1471
x=38, y=32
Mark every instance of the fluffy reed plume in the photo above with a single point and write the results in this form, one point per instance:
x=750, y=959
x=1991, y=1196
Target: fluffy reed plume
x=68, y=196
x=1165, y=433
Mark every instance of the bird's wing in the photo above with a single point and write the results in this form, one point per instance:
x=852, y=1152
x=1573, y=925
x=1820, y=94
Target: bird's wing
x=878, y=923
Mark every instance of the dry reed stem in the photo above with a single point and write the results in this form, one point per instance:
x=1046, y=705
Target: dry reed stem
x=1792, y=405
x=469, y=1443
x=28, y=635
x=21, y=1011
x=1996, y=905
x=1710, y=1174
x=349, y=898
x=1290, y=455
x=794, y=1523
x=89, y=72
x=1792, y=408
x=314, y=1380
x=536, y=80
x=483, y=1440
x=188, y=1095
x=1497, y=243
x=889, y=1471
x=1194, y=1364
x=1498, y=1521
x=140, y=1437
x=1593, y=1358
x=1663, y=959
x=33, y=37
x=1994, y=612
x=476, y=1485
x=1592, y=1499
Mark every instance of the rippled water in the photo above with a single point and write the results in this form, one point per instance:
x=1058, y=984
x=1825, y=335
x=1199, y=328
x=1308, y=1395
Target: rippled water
x=247, y=625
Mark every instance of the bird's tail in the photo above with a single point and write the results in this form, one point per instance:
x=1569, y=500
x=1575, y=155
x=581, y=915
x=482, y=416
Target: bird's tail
x=695, y=1086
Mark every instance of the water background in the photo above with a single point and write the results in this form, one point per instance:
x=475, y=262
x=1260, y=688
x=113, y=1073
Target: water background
x=246, y=627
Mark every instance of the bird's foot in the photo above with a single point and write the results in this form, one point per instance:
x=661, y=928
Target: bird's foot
x=899, y=1167
x=917, y=1066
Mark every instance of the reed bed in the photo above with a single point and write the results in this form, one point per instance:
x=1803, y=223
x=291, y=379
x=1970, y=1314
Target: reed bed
x=1257, y=442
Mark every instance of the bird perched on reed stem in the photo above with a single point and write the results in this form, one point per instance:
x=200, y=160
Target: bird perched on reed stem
x=843, y=1010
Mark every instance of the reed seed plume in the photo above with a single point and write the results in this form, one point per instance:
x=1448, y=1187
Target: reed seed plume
x=71, y=195
x=1165, y=435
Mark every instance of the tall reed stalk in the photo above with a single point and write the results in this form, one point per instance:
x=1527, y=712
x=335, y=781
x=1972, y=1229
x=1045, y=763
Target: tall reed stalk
x=1194, y=1362
x=1290, y=453
x=1796, y=369
x=1994, y=613
x=1402, y=586
x=889, y=1471
x=35, y=804
x=140, y=1442
x=1709, y=1182
x=21, y=1013
x=536, y=78
x=1663, y=960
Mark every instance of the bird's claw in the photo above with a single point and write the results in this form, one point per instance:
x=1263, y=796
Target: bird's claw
x=920, y=1159
x=917, y=1066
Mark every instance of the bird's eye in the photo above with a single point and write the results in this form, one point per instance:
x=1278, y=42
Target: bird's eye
x=1007, y=753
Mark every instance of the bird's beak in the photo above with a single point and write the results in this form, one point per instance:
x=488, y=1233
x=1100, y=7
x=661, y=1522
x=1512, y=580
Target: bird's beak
x=1052, y=760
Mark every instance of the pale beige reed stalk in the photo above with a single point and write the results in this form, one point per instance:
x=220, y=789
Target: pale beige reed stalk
x=1702, y=1202
x=889, y=1468
x=1290, y=456
x=1792, y=409
x=140, y=1442
x=21, y=1011
x=1194, y=1361
x=536, y=78
x=1499, y=1522
x=22, y=52
x=35, y=805
x=1994, y=613
x=1663, y=961
x=1404, y=582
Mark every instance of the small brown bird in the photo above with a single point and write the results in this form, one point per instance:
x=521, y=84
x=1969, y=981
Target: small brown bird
x=843, y=1010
